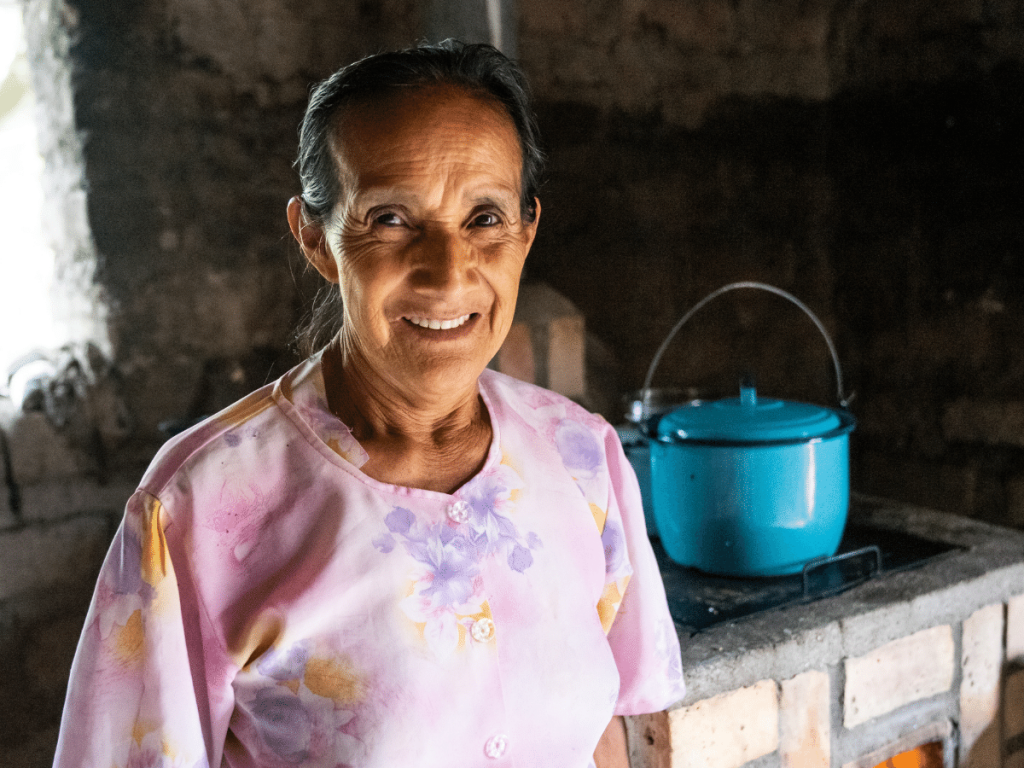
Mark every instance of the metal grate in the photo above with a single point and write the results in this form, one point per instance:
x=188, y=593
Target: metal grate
x=698, y=600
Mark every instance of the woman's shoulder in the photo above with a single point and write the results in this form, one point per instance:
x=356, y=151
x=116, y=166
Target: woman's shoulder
x=191, y=446
x=548, y=416
x=526, y=399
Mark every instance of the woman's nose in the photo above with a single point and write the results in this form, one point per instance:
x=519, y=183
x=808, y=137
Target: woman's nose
x=444, y=260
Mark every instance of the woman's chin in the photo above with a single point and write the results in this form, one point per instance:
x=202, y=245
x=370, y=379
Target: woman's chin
x=439, y=362
x=442, y=379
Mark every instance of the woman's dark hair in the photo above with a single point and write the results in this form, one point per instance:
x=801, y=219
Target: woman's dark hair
x=478, y=68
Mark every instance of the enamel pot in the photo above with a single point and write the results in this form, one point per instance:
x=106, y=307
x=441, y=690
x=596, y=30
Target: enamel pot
x=750, y=486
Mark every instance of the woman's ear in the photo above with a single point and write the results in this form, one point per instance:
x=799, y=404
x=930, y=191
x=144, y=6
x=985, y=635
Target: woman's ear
x=531, y=228
x=312, y=240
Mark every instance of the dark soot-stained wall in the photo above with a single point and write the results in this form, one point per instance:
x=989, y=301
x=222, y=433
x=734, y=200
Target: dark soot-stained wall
x=865, y=156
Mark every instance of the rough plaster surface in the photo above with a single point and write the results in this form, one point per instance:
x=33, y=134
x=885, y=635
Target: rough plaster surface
x=180, y=119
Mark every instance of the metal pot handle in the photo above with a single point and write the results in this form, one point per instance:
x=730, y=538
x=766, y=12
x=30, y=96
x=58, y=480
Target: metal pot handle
x=844, y=400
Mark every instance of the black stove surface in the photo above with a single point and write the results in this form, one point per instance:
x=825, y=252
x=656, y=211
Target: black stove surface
x=699, y=600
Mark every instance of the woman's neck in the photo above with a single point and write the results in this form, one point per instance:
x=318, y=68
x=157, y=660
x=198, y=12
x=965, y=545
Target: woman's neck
x=417, y=439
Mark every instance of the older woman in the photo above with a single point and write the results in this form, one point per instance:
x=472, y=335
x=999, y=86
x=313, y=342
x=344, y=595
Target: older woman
x=391, y=556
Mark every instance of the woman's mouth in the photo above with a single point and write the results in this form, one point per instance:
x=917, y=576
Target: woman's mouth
x=438, y=325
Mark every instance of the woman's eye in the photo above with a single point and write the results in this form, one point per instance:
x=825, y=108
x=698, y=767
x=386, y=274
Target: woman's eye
x=388, y=220
x=486, y=220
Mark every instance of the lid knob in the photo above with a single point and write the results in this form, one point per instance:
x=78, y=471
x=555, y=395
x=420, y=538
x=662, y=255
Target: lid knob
x=748, y=395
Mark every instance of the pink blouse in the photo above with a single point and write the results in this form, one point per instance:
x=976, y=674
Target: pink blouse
x=265, y=603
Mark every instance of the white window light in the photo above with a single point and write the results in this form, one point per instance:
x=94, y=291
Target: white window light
x=26, y=260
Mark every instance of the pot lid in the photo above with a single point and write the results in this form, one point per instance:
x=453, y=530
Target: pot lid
x=747, y=419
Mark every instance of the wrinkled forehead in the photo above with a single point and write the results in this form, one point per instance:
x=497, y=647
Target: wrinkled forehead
x=368, y=128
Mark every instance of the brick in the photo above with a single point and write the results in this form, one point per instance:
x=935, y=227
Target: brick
x=649, y=740
x=898, y=673
x=727, y=730
x=49, y=652
x=71, y=496
x=1015, y=501
x=1015, y=628
x=804, y=722
x=566, y=363
x=39, y=451
x=1013, y=705
x=990, y=422
x=557, y=334
x=709, y=25
x=515, y=358
x=933, y=484
x=35, y=556
x=981, y=661
x=7, y=517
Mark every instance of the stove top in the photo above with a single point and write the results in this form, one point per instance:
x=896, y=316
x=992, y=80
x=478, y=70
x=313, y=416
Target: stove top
x=699, y=600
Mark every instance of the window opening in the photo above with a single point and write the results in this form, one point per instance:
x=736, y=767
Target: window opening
x=26, y=258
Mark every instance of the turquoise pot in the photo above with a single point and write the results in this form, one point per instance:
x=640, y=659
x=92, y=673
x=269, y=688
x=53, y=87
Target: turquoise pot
x=749, y=486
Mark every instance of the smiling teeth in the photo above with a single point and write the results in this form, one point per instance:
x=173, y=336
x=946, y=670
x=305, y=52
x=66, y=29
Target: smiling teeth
x=438, y=325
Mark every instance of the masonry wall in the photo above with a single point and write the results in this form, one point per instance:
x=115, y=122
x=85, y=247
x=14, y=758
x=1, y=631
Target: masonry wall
x=168, y=129
x=863, y=155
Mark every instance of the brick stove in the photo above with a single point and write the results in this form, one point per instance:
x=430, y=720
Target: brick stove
x=905, y=659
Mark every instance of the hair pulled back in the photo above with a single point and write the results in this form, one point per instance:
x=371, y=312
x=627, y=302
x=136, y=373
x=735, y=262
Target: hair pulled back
x=479, y=68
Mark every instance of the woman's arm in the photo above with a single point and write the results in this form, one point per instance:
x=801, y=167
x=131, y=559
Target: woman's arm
x=131, y=698
x=611, y=749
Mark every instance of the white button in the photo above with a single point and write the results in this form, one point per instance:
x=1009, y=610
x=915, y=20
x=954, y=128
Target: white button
x=458, y=512
x=495, y=746
x=482, y=630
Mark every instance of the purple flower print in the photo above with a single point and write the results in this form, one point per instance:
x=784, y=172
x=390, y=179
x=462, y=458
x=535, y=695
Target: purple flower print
x=612, y=540
x=128, y=575
x=578, y=448
x=284, y=664
x=451, y=561
x=447, y=588
x=486, y=497
x=520, y=558
x=283, y=723
x=400, y=520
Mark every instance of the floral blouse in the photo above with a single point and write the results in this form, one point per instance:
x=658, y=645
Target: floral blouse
x=265, y=603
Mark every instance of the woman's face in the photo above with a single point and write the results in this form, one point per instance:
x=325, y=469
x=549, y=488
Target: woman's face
x=426, y=242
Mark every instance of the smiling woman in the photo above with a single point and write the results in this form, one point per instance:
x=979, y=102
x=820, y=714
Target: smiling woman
x=426, y=244
x=391, y=556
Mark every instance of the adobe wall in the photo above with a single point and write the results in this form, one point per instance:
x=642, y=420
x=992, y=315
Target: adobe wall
x=863, y=155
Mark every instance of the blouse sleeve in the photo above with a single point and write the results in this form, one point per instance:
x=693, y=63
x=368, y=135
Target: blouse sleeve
x=132, y=697
x=642, y=636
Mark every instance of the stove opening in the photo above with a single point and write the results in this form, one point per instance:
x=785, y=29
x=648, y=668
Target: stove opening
x=926, y=756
